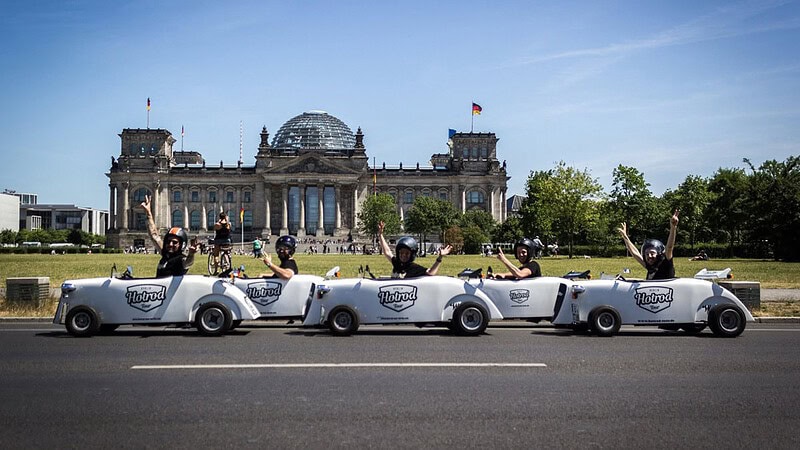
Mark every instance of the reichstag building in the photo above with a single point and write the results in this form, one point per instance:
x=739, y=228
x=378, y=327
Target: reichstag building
x=309, y=181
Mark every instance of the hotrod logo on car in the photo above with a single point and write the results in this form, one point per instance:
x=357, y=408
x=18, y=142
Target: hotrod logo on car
x=146, y=297
x=653, y=298
x=264, y=292
x=519, y=295
x=397, y=297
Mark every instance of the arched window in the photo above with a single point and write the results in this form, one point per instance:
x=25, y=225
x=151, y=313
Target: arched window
x=211, y=219
x=475, y=197
x=177, y=218
x=139, y=195
x=194, y=220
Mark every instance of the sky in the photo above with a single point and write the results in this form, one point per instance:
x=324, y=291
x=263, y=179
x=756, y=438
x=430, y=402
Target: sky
x=672, y=88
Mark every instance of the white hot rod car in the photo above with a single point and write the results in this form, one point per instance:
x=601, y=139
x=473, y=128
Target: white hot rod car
x=92, y=305
x=343, y=305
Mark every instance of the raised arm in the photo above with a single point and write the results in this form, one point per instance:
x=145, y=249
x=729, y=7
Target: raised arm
x=151, y=224
x=623, y=231
x=387, y=252
x=673, y=230
x=434, y=269
x=513, y=271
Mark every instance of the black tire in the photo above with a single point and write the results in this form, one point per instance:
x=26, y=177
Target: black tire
x=605, y=321
x=342, y=321
x=213, y=319
x=693, y=328
x=726, y=320
x=470, y=319
x=211, y=267
x=82, y=322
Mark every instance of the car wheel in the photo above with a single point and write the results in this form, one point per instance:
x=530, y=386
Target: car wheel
x=470, y=319
x=726, y=320
x=342, y=322
x=82, y=322
x=693, y=328
x=604, y=321
x=213, y=319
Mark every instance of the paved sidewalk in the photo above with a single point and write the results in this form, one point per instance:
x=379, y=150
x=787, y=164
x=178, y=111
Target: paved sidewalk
x=780, y=295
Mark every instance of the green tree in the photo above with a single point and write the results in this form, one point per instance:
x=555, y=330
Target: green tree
x=691, y=198
x=473, y=238
x=563, y=202
x=479, y=218
x=630, y=201
x=508, y=231
x=774, y=206
x=727, y=211
x=454, y=236
x=430, y=215
x=377, y=208
x=8, y=237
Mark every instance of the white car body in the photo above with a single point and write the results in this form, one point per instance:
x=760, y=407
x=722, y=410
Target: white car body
x=90, y=305
x=531, y=299
x=685, y=303
x=276, y=298
x=344, y=304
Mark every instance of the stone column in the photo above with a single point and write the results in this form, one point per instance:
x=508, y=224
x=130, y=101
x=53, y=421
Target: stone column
x=338, y=218
x=354, y=223
x=285, y=212
x=203, y=217
x=267, y=212
x=112, y=215
x=492, y=202
x=125, y=206
x=321, y=221
x=503, y=210
x=301, y=230
x=463, y=199
x=185, y=217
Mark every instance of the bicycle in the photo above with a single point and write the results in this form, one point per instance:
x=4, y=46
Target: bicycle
x=214, y=267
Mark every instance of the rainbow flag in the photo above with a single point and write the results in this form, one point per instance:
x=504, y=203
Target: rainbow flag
x=476, y=109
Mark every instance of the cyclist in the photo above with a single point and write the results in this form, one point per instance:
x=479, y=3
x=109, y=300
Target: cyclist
x=285, y=247
x=222, y=236
x=173, y=261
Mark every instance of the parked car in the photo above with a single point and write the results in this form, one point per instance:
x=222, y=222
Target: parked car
x=343, y=305
x=93, y=305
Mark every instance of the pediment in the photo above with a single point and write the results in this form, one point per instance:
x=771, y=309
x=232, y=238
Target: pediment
x=313, y=164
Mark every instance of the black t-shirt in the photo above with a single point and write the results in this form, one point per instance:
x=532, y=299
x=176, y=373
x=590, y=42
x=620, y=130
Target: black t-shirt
x=533, y=266
x=170, y=265
x=224, y=233
x=407, y=270
x=289, y=264
x=663, y=271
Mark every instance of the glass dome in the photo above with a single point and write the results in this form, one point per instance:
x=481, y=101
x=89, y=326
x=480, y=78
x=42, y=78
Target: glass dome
x=314, y=130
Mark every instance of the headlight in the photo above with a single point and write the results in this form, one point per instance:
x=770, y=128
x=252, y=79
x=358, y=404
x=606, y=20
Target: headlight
x=67, y=288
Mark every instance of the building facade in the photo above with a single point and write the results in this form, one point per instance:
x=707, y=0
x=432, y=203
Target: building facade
x=9, y=212
x=309, y=181
x=62, y=217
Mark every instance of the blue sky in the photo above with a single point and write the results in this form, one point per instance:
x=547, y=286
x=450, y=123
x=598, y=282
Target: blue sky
x=672, y=88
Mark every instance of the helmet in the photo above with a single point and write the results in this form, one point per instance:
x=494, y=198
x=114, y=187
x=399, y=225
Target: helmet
x=179, y=233
x=407, y=242
x=288, y=242
x=527, y=243
x=654, y=244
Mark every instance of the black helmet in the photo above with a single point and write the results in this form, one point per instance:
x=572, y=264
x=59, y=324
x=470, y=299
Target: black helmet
x=407, y=242
x=176, y=232
x=527, y=243
x=656, y=244
x=288, y=242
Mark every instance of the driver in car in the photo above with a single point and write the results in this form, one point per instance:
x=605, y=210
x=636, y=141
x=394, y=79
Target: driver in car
x=173, y=261
x=524, y=251
x=654, y=257
x=285, y=247
x=403, y=265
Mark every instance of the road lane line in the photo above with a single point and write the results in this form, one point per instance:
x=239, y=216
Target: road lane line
x=329, y=365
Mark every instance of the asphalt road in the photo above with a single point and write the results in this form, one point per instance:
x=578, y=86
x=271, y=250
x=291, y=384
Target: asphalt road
x=271, y=386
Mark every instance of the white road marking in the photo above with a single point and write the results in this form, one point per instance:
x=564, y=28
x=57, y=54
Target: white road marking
x=330, y=365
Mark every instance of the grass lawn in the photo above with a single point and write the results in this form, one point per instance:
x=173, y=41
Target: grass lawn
x=770, y=274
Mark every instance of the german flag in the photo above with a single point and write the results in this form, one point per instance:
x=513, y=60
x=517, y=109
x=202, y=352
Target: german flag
x=476, y=109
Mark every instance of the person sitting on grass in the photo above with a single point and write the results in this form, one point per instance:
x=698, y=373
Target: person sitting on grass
x=403, y=265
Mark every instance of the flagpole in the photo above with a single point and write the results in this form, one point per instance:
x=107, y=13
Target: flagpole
x=374, y=177
x=148, y=113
